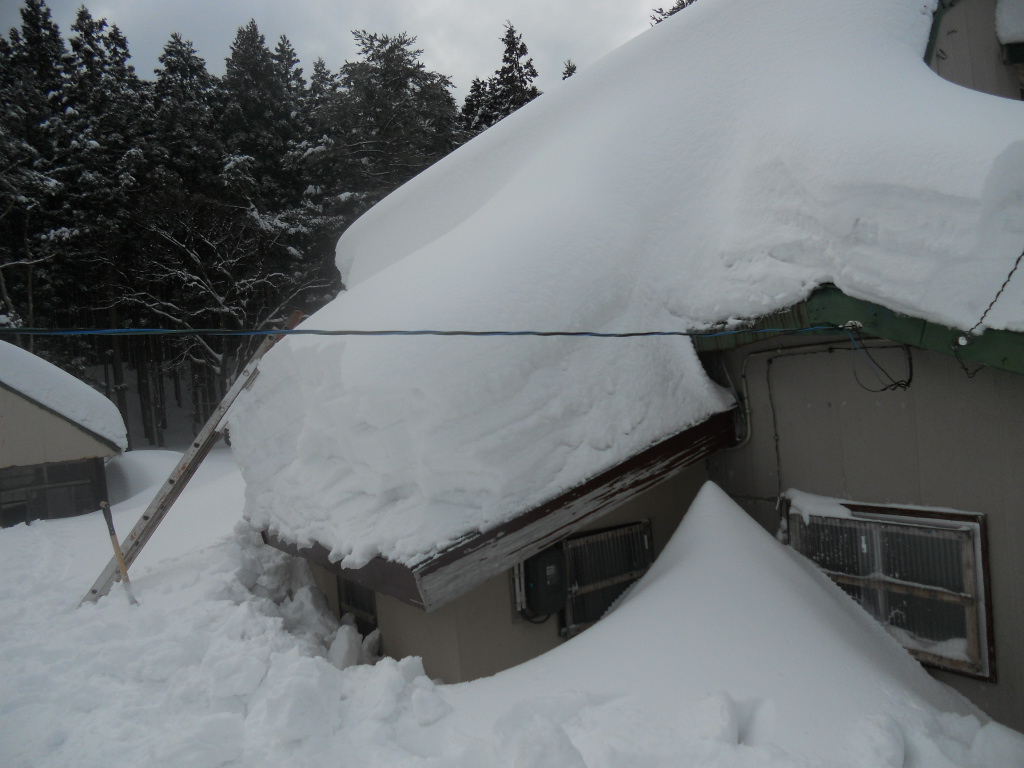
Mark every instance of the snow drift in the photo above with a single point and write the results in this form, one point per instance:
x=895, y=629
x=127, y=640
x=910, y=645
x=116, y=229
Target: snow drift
x=719, y=166
x=731, y=651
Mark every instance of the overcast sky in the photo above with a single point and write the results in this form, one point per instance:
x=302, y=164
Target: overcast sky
x=460, y=38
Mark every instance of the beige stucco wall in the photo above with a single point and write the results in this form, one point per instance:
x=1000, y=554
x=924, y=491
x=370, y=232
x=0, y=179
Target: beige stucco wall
x=480, y=633
x=967, y=52
x=947, y=441
x=31, y=435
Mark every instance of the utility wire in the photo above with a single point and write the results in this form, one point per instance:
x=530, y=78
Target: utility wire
x=965, y=338
x=324, y=332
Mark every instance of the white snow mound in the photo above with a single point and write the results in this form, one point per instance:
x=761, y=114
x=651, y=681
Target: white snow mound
x=733, y=650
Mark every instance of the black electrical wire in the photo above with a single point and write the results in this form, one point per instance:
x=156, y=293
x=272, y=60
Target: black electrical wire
x=876, y=368
x=324, y=332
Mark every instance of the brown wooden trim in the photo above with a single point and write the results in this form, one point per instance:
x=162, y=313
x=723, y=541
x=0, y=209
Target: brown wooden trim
x=441, y=578
x=615, y=485
x=961, y=599
x=476, y=558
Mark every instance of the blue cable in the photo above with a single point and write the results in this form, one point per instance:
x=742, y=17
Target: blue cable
x=320, y=332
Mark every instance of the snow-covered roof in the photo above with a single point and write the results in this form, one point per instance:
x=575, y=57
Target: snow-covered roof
x=720, y=166
x=61, y=393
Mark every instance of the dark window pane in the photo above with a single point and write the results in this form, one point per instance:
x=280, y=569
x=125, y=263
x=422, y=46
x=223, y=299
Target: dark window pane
x=926, y=621
x=835, y=545
x=920, y=556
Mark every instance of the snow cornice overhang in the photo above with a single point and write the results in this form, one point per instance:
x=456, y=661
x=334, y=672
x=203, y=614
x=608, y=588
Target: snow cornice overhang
x=834, y=310
x=452, y=572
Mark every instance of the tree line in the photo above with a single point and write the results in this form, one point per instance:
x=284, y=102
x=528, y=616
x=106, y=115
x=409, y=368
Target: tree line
x=193, y=201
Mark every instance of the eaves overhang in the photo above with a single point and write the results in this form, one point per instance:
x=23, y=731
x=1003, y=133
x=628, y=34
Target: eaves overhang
x=829, y=311
x=453, y=571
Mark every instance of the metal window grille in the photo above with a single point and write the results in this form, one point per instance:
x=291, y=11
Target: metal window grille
x=600, y=567
x=920, y=574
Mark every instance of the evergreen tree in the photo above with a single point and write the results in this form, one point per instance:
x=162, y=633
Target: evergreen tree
x=569, y=69
x=477, y=110
x=30, y=75
x=322, y=171
x=507, y=90
x=401, y=117
x=100, y=161
x=187, y=147
x=658, y=15
x=513, y=85
x=255, y=124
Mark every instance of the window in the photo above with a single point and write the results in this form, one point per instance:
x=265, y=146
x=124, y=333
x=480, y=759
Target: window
x=921, y=573
x=47, y=491
x=583, y=576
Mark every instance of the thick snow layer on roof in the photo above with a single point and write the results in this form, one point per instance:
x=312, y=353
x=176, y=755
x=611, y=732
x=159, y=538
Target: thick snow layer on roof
x=1010, y=21
x=61, y=392
x=719, y=166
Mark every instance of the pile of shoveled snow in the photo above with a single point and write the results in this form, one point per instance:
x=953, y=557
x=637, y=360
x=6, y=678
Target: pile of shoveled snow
x=719, y=166
x=731, y=651
x=61, y=392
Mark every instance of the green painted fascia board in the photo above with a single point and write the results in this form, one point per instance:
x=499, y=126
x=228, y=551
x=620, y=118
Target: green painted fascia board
x=999, y=349
x=831, y=309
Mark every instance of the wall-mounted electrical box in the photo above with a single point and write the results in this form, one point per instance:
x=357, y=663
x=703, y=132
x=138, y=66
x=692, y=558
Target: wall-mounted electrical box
x=544, y=582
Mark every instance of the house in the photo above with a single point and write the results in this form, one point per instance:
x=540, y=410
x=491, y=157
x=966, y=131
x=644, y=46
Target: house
x=841, y=246
x=56, y=432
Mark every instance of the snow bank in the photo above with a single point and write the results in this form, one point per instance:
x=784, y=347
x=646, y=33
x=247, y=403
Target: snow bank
x=61, y=392
x=720, y=166
x=731, y=651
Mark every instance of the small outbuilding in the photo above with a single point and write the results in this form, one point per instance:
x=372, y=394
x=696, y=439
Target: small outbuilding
x=56, y=434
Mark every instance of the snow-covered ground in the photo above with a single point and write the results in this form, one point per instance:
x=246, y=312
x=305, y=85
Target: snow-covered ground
x=730, y=652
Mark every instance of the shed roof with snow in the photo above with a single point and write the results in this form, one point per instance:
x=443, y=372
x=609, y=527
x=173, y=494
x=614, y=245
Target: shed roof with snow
x=47, y=415
x=665, y=188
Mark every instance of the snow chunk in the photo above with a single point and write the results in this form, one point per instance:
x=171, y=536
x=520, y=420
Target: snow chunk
x=61, y=392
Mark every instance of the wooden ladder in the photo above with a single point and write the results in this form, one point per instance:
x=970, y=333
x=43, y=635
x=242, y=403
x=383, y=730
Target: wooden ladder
x=182, y=473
